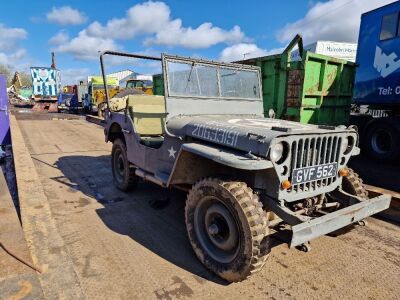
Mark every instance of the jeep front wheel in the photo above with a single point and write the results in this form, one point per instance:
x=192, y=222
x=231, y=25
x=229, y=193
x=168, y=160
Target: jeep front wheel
x=123, y=175
x=354, y=185
x=227, y=228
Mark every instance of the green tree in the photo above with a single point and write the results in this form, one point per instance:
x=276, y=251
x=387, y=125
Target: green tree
x=7, y=72
x=26, y=79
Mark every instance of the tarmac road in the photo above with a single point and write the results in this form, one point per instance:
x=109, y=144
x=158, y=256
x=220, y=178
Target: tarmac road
x=135, y=246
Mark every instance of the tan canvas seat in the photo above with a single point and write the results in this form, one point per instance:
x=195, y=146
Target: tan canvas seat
x=148, y=115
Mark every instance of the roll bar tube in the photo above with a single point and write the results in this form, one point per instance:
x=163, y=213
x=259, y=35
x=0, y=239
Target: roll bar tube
x=123, y=54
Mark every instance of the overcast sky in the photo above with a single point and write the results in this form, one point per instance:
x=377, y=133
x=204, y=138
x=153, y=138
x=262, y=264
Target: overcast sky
x=225, y=30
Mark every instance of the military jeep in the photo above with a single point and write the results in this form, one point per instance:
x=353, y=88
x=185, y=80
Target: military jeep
x=246, y=175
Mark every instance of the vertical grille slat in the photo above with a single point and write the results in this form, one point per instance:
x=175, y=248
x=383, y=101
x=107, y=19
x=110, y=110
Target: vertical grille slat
x=333, y=155
x=314, y=154
x=338, y=149
x=327, y=155
x=300, y=158
x=294, y=160
x=308, y=159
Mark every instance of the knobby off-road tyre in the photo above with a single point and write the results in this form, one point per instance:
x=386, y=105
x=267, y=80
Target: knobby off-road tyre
x=227, y=228
x=354, y=185
x=123, y=174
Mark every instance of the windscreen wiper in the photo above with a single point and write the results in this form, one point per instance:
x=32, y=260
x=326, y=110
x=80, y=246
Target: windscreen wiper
x=190, y=75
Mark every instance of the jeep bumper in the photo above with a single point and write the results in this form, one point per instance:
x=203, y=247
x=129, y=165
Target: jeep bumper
x=314, y=228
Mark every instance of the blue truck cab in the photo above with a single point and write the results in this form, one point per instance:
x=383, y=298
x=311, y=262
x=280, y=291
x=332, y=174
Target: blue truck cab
x=67, y=102
x=377, y=82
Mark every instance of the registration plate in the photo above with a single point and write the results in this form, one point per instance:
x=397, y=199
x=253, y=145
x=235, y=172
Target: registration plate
x=307, y=174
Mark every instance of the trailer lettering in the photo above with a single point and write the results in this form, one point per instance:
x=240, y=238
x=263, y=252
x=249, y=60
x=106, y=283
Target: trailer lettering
x=385, y=91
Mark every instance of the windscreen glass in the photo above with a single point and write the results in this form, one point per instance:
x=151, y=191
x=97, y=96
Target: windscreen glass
x=187, y=79
x=190, y=79
x=239, y=84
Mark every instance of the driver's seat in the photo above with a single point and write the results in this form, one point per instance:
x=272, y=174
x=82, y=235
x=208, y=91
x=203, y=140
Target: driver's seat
x=148, y=115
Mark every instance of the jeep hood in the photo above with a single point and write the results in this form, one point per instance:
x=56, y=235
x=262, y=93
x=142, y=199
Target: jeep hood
x=247, y=133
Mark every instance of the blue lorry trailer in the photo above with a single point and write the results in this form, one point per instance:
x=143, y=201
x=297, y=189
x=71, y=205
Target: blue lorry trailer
x=377, y=83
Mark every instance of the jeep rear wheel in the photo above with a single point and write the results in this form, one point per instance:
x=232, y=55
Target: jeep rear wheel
x=123, y=175
x=227, y=228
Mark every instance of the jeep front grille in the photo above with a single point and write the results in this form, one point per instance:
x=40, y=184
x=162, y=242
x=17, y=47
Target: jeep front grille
x=311, y=151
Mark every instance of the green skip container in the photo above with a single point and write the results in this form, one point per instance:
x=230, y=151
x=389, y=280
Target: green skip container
x=316, y=90
x=158, y=84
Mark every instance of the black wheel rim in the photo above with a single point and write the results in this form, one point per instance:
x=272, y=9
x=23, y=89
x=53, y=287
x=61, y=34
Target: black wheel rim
x=217, y=229
x=119, y=166
x=381, y=142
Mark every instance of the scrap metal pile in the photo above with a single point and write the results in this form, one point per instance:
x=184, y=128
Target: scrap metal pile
x=18, y=94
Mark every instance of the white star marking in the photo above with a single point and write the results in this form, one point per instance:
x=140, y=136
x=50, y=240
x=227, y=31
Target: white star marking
x=171, y=152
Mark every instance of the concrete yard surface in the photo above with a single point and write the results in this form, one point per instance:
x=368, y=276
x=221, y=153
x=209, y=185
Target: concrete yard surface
x=115, y=245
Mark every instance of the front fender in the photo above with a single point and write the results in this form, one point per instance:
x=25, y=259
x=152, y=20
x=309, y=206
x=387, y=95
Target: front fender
x=227, y=157
x=118, y=123
x=197, y=161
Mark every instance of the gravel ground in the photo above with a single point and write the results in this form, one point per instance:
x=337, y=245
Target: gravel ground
x=135, y=246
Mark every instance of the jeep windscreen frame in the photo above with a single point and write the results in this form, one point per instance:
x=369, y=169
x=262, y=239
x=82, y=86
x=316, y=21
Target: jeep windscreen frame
x=188, y=104
x=199, y=90
x=193, y=78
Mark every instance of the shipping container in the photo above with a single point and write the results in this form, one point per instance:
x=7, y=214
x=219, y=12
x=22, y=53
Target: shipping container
x=316, y=90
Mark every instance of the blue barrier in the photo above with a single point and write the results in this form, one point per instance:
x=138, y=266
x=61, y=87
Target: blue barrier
x=5, y=137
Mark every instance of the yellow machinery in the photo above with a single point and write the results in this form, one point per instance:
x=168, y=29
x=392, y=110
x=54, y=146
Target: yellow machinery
x=97, y=93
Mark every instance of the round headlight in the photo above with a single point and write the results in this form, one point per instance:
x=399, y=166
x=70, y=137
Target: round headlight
x=276, y=152
x=345, y=144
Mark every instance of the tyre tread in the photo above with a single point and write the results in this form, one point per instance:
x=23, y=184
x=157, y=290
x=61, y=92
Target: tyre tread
x=255, y=216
